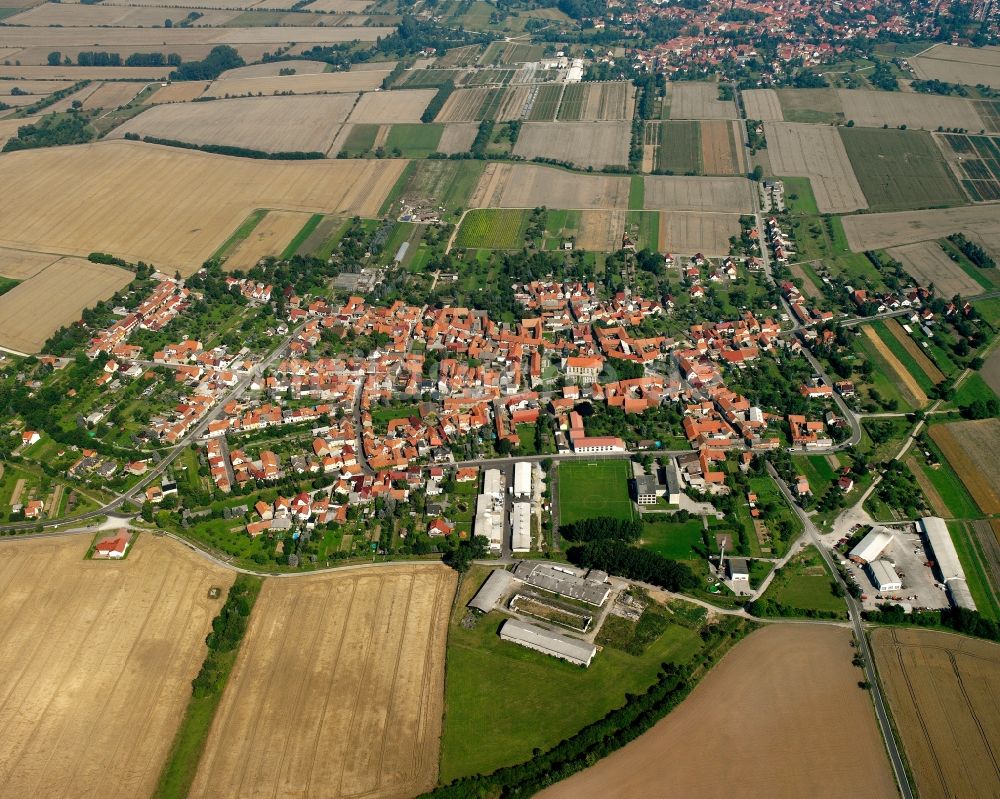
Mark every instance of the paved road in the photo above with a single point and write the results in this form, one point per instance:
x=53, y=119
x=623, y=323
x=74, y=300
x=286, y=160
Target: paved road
x=854, y=611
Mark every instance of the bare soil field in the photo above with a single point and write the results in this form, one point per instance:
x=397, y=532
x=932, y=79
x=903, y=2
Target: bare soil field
x=165, y=206
x=528, y=186
x=926, y=364
x=754, y=720
x=22, y=264
x=718, y=149
x=73, y=74
x=596, y=144
x=273, y=124
x=457, y=137
x=98, y=659
x=691, y=100
x=682, y=193
x=80, y=15
x=762, y=104
x=816, y=152
x=344, y=702
x=971, y=448
x=691, y=232
x=601, y=231
x=33, y=310
x=928, y=263
x=880, y=231
x=272, y=69
x=871, y=109
x=386, y=107
x=271, y=235
x=907, y=383
x=315, y=83
x=177, y=93
x=968, y=65
x=111, y=95
x=942, y=689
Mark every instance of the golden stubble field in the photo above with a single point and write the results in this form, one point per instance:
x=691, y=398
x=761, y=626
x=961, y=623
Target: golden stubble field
x=942, y=690
x=683, y=193
x=928, y=263
x=272, y=124
x=696, y=100
x=762, y=104
x=595, y=144
x=306, y=83
x=871, y=109
x=971, y=448
x=338, y=690
x=528, y=186
x=270, y=237
x=55, y=296
x=168, y=207
x=97, y=659
x=879, y=231
x=781, y=717
x=687, y=233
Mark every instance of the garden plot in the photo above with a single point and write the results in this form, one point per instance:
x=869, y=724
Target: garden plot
x=928, y=263
x=393, y=106
x=681, y=193
x=691, y=100
x=597, y=101
x=762, y=104
x=529, y=186
x=272, y=124
x=871, y=109
x=582, y=143
x=816, y=152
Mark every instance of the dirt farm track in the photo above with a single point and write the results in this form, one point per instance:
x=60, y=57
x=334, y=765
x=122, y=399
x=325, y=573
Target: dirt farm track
x=942, y=689
x=338, y=690
x=97, y=659
x=778, y=717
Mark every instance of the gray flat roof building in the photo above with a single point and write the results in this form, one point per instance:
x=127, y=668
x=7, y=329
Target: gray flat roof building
x=549, y=642
x=564, y=580
x=492, y=591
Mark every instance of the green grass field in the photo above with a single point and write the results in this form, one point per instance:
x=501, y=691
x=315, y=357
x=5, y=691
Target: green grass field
x=973, y=388
x=900, y=169
x=493, y=229
x=636, y=193
x=301, y=236
x=679, y=148
x=526, y=699
x=588, y=489
x=817, y=471
x=799, y=197
x=805, y=584
x=904, y=357
x=974, y=566
x=360, y=140
x=677, y=540
x=646, y=224
x=414, y=140
x=810, y=105
x=546, y=102
x=948, y=484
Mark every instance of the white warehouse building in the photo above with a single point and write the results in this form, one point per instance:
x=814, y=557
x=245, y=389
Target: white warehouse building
x=871, y=546
x=522, y=480
x=520, y=527
x=935, y=531
x=883, y=576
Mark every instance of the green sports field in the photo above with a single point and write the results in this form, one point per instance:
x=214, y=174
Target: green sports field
x=588, y=489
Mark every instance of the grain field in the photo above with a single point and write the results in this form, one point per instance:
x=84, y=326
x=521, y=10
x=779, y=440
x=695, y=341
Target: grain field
x=879, y=231
x=321, y=83
x=377, y=108
x=718, y=150
x=111, y=95
x=942, y=690
x=183, y=92
x=601, y=231
x=338, y=689
x=98, y=659
x=457, y=137
x=22, y=264
x=967, y=65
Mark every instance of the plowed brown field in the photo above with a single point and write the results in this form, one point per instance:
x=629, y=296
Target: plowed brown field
x=338, y=690
x=971, y=448
x=774, y=717
x=942, y=690
x=97, y=659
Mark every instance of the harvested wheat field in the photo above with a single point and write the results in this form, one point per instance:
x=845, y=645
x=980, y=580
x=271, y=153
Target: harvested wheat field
x=927, y=263
x=22, y=264
x=321, y=83
x=871, y=109
x=271, y=235
x=457, y=137
x=774, y=717
x=98, y=659
x=272, y=124
x=942, y=690
x=816, y=152
x=386, y=107
x=968, y=65
x=691, y=100
x=272, y=69
x=33, y=310
x=718, y=148
x=682, y=193
x=919, y=356
x=178, y=92
x=596, y=144
x=165, y=206
x=356, y=710
x=981, y=223
x=528, y=186
x=971, y=449
x=762, y=104
x=73, y=74
x=600, y=231
x=81, y=15
x=687, y=233
x=111, y=95
x=36, y=87
x=903, y=380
